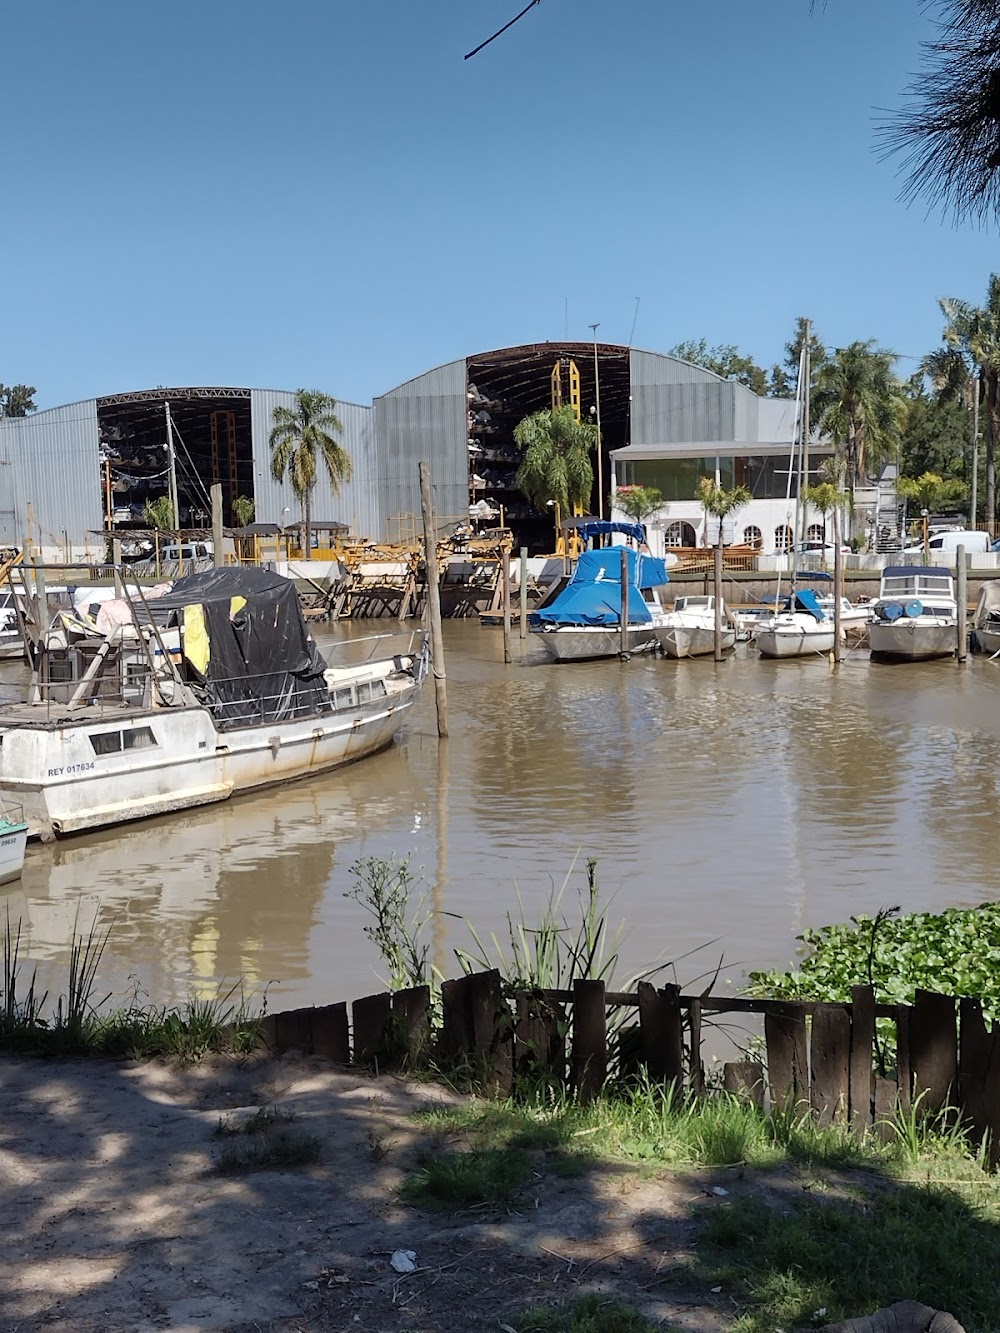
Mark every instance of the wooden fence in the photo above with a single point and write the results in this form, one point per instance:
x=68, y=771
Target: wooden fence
x=820, y=1057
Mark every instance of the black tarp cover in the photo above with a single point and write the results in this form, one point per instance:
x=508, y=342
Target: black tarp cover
x=263, y=663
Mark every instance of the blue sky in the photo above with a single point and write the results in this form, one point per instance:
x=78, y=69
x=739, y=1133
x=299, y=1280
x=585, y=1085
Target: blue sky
x=325, y=194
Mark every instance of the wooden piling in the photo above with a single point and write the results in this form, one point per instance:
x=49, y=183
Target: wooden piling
x=717, y=589
x=623, y=620
x=505, y=582
x=522, y=592
x=838, y=586
x=433, y=601
x=589, y=1056
x=218, y=560
x=963, y=609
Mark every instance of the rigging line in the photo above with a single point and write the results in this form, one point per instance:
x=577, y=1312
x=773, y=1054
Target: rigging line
x=530, y=5
x=634, y=318
x=197, y=478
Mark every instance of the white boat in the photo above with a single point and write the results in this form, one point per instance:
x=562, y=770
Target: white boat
x=801, y=629
x=584, y=621
x=116, y=728
x=688, y=630
x=13, y=839
x=986, y=621
x=916, y=615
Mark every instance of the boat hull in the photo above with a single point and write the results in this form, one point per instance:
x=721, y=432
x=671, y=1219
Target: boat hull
x=794, y=642
x=64, y=787
x=693, y=640
x=585, y=643
x=988, y=640
x=910, y=641
x=13, y=839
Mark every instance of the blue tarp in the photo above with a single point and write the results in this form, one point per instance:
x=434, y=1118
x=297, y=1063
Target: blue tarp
x=593, y=596
x=602, y=527
x=805, y=600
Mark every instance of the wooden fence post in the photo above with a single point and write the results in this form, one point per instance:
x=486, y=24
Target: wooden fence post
x=371, y=1029
x=589, y=1056
x=831, y=1060
x=787, y=1057
x=662, y=1033
x=934, y=1050
x=862, y=1045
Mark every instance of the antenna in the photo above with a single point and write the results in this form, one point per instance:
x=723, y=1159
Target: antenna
x=634, y=318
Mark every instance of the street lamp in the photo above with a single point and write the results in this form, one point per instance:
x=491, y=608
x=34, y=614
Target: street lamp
x=284, y=534
x=927, y=549
x=597, y=412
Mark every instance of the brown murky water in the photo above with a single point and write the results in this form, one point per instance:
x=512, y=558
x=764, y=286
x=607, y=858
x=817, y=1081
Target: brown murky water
x=735, y=804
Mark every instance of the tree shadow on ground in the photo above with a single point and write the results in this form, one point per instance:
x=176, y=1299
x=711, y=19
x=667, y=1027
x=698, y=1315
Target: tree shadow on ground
x=114, y=1217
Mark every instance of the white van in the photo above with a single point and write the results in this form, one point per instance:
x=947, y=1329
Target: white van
x=975, y=543
x=188, y=551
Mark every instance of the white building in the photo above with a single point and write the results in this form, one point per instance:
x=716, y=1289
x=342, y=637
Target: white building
x=693, y=424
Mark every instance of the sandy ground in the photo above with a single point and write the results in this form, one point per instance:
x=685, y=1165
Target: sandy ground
x=115, y=1218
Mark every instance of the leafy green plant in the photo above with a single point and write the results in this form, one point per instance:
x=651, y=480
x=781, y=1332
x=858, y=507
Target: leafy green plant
x=384, y=889
x=639, y=502
x=955, y=952
x=159, y=513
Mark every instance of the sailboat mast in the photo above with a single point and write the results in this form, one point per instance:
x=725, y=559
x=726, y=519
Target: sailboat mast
x=804, y=475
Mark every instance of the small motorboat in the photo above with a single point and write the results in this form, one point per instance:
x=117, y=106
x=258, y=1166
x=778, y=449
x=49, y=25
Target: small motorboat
x=688, y=630
x=802, y=628
x=584, y=621
x=915, y=615
x=13, y=839
x=986, y=621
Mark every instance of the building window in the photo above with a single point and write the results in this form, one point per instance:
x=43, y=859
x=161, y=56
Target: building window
x=679, y=534
x=816, y=532
x=783, y=538
x=752, y=536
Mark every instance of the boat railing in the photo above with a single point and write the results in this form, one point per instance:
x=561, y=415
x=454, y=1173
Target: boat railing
x=373, y=648
x=11, y=812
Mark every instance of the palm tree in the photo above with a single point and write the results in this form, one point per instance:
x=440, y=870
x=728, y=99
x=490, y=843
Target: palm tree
x=639, y=502
x=159, y=513
x=825, y=497
x=243, y=510
x=861, y=408
x=974, y=331
x=556, y=465
x=720, y=503
x=300, y=437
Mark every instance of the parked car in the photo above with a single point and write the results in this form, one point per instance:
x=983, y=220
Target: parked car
x=975, y=543
x=825, y=550
x=188, y=551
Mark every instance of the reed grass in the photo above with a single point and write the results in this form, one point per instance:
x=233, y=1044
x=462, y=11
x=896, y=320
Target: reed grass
x=78, y=1024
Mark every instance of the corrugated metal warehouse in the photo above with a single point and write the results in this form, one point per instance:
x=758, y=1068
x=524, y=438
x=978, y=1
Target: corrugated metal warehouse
x=67, y=473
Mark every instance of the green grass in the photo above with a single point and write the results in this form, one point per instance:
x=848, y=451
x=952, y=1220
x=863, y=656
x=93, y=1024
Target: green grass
x=77, y=1024
x=275, y=1149
x=262, y=1121
x=648, y=1124
x=454, y=1180
x=591, y=1314
x=845, y=1256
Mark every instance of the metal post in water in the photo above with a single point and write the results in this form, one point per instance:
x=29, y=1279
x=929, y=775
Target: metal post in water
x=963, y=595
x=505, y=576
x=717, y=585
x=216, y=494
x=523, y=592
x=433, y=601
x=623, y=621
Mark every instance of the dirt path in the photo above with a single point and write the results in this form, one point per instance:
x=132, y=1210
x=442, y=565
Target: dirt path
x=115, y=1218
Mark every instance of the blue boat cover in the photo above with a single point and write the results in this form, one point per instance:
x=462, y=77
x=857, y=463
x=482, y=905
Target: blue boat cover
x=915, y=571
x=593, y=595
x=805, y=600
x=602, y=527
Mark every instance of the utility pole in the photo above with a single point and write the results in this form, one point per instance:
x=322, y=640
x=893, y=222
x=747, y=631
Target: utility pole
x=433, y=600
x=172, y=470
x=597, y=403
x=218, y=559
